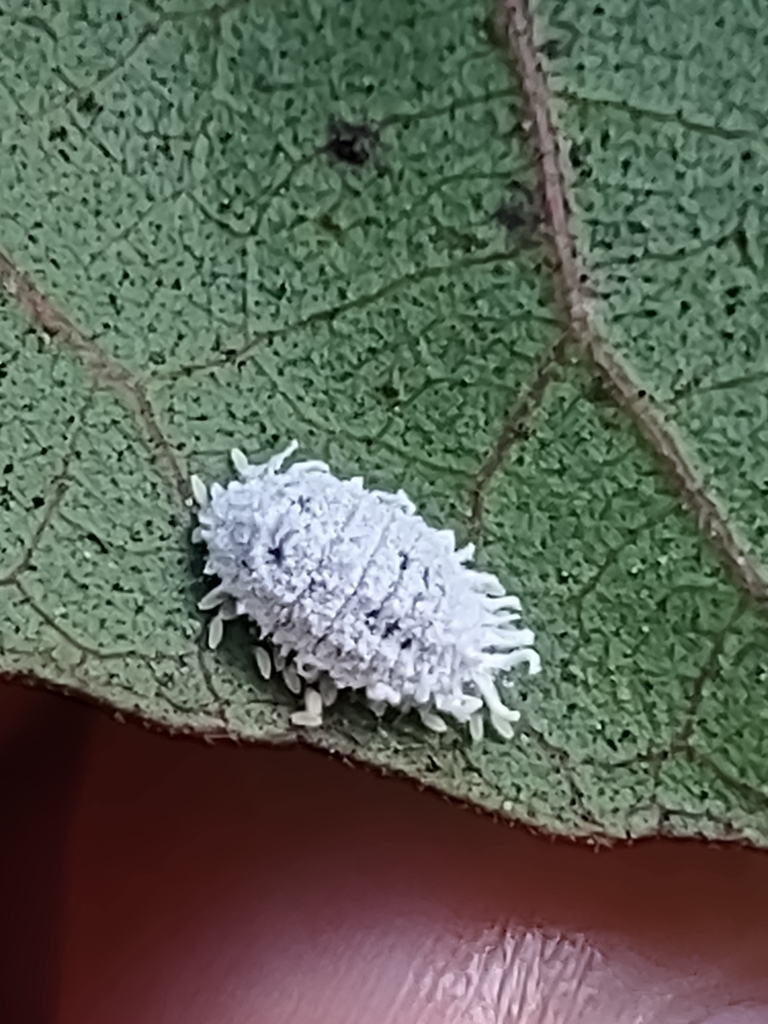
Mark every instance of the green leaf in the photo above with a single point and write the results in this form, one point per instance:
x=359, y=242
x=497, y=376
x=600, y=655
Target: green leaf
x=534, y=300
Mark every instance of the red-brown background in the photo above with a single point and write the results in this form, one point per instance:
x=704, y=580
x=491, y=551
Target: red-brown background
x=146, y=879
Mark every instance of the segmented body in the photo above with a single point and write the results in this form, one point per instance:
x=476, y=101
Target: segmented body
x=355, y=590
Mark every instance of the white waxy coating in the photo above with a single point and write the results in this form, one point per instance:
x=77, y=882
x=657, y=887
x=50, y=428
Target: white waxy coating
x=199, y=491
x=328, y=690
x=306, y=720
x=312, y=715
x=476, y=728
x=215, y=631
x=362, y=593
x=314, y=702
x=263, y=661
x=432, y=721
x=292, y=679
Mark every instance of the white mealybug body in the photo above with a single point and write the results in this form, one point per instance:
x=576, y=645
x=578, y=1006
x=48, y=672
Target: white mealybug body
x=354, y=590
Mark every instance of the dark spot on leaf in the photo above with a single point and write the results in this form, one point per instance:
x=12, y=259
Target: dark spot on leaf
x=550, y=49
x=88, y=105
x=403, y=561
x=390, y=628
x=327, y=223
x=514, y=216
x=98, y=542
x=493, y=30
x=38, y=502
x=598, y=392
x=353, y=144
x=406, y=643
x=576, y=155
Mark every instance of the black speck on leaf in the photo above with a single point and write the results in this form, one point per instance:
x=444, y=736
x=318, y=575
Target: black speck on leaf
x=327, y=223
x=98, y=542
x=598, y=392
x=517, y=216
x=353, y=144
x=576, y=156
x=493, y=30
x=88, y=104
x=550, y=49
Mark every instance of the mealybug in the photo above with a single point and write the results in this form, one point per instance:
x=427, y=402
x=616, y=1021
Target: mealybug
x=355, y=590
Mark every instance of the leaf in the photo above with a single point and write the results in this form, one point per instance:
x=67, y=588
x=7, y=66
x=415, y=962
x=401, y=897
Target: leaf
x=190, y=262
